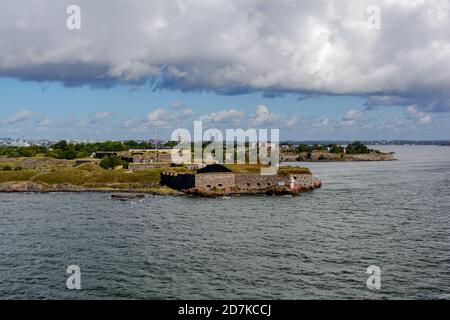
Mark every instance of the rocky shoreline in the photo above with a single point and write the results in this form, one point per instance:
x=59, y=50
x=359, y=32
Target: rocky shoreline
x=273, y=191
x=33, y=187
x=45, y=175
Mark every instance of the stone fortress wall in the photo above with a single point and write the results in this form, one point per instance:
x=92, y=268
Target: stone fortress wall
x=243, y=181
x=215, y=180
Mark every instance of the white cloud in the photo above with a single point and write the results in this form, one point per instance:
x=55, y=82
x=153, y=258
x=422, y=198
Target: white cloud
x=101, y=115
x=323, y=121
x=418, y=116
x=44, y=123
x=297, y=46
x=263, y=117
x=224, y=117
x=188, y=113
x=22, y=116
x=129, y=123
x=96, y=119
x=177, y=105
x=133, y=70
x=159, y=117
x=353, y=115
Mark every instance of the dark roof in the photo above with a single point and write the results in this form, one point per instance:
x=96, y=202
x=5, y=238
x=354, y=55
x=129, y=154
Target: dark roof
x=213, y=168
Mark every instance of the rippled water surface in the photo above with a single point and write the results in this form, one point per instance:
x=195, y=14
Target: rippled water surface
x=395, y=215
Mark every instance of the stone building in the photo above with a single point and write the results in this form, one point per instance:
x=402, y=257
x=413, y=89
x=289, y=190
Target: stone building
x=150, y=155
x=216, y=177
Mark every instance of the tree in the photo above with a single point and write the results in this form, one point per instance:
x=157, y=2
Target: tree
x=112, y=161
x=170, y=144
x=357, y=148
x=334, y=148
x=62, y=145
x=319, y=147
x=303, y=148
x=69, y=154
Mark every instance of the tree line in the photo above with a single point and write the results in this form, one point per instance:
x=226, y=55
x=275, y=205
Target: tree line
x=353, y=148
x=70, y=151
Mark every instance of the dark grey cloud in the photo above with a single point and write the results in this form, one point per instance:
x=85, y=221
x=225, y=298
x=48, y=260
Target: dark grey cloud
x=307, y=47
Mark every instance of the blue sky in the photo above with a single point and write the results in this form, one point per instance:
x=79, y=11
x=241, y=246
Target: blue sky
x=313, y=69
x=54, y=111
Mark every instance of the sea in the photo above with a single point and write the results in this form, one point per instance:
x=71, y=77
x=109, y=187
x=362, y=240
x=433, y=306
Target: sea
x=393, y=217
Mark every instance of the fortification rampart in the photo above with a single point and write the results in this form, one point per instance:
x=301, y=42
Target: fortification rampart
x=241, y=181
x=215, y=180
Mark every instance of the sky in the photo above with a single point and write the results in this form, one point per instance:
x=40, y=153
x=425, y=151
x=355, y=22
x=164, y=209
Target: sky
x=314, y=69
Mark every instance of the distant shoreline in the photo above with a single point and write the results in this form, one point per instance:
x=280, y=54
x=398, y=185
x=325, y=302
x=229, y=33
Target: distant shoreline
x=324, y=156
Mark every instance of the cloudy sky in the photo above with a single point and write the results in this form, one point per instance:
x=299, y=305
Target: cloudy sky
x=318, y=69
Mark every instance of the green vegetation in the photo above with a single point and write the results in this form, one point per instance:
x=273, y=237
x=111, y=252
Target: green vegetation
x=357, y=148
x=22, y=175
x=303, y=148
x=92, y=175
x=243, y=168
x=293, y=170
x=111, y=162
x=89, y=175
x=353, y=148
x=249, y=168
x=88, y=167
x=69, y=151
x=68, y=175
x=171, y=144
x=334, y=148
x=17, y=152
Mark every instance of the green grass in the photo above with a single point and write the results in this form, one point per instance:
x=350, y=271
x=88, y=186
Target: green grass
x=90, y=167
x=244, y=168
x=121, y=176
x=248, y=168
x=10, y=163
x=71, y=176
x=293, y=170
x=152, y=163
x=22, y=175
x=91, y=174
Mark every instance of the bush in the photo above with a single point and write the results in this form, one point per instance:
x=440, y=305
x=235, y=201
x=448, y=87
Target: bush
x=18, y=169
x=357, y=148
x=319, y=147
x=334, y=148
x=7, y=168
x=110, y=162
x=303, y=148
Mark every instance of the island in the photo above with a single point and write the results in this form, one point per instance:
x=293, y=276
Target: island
x=355, y=151
x=65, y=167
